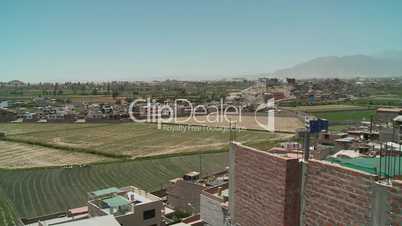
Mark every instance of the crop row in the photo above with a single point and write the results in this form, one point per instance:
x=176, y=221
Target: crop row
x=37, y=192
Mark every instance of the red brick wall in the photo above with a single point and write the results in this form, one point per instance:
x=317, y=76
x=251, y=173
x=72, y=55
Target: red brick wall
x=267, y=189
x=395, y=203
x=335, y=195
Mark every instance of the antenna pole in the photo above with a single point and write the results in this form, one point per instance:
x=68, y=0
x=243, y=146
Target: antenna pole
x=200, y=164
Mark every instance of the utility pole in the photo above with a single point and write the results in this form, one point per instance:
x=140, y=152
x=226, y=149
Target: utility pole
x=230, y=131
x=306, y=145
x=200, y=164
x=371, y=125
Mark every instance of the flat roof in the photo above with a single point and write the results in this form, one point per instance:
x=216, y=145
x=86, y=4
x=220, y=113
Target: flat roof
x=94, y=221
x=79, y=210
x=107, y=220
x=181, y=224
x=126, y=196
x=192, y=174
x=346, y=139
x=398, y=118
x=106, y=191
x=372, y=165
x=116, y=201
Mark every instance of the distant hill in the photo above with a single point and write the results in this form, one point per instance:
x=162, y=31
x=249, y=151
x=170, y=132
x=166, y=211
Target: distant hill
x=385, y=64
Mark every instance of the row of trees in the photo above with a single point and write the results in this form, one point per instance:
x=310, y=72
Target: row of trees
x=169, y=89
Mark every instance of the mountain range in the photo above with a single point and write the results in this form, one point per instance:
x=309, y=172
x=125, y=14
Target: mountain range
x=388, y=63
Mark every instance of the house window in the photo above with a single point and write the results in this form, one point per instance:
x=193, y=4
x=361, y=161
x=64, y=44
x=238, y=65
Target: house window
x=149, y=214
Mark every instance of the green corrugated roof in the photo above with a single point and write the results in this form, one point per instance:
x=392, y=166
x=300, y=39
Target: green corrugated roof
x=106, y=191
x=116, y=201
x=372, y=165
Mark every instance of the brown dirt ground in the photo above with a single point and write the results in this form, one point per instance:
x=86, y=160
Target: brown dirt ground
x=16, y=155
x=282, y=124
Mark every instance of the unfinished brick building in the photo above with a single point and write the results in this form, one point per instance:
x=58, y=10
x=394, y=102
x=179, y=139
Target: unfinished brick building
x=183, y=194
x=264, y=188
x=337, y=195
x=269, y=189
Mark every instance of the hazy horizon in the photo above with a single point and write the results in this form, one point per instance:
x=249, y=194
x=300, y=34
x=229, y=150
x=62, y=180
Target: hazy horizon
x=130, y=40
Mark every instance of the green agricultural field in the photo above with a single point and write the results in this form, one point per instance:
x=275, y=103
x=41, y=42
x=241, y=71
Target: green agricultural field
x=31, y=192
x=8, y=216
x=353, y=116
x=338, y=128
x=325, y=108
x=378, y=101
x=129, y=139
x=42, y=191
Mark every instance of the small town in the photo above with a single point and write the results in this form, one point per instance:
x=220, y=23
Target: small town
x=95, y=103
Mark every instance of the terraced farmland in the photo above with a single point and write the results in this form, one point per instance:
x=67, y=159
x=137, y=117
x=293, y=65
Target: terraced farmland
x=131, y=139
x=18, y=155
x=41, y=191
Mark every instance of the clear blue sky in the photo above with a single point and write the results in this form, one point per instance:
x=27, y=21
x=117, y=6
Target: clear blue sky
x=63, y=40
